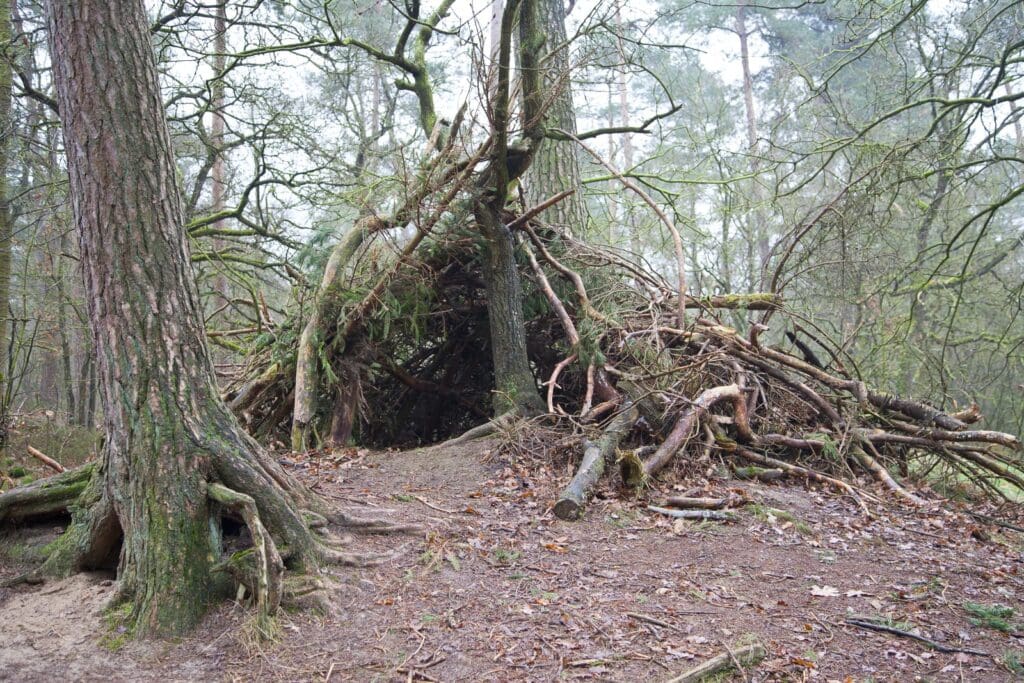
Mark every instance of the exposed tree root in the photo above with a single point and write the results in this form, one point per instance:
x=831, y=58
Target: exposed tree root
x=502, y=422
x=304, y=541
x=263, y=575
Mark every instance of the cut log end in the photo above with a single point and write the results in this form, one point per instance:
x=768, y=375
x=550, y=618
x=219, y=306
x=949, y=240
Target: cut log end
x=568, y=509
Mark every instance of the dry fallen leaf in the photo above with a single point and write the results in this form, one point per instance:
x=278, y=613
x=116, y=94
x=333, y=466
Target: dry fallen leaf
x=825, y=591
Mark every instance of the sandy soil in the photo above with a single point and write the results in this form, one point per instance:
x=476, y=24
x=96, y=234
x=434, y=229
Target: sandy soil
x=497, y=589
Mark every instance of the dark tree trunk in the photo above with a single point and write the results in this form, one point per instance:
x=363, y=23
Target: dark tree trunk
x=83, y=417
x=514, y=384
x=168, y=434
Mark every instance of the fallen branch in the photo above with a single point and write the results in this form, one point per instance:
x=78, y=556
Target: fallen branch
x=758, y=473
x=883, y=476
x=872, y=626
x=651, y=620
x=685, y=425
x=704, y=503
x=746, y=656
x=572, y=501
x=45, y=497
x=45, y=459
x=713, y=515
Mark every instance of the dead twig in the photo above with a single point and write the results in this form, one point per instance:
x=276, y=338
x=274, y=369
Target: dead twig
x=652, y=620
x=45, y=459
x=715, y=515
x=435, y=507
x=881, y=628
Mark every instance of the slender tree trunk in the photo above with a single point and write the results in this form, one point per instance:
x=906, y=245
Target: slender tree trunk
x=497, y=8
x=65, y=343
x=6, y=131
x=83, y=417
x=759, y=230
x=168, y=434
x=514, y=384
x=630, y=224
x=218, y=184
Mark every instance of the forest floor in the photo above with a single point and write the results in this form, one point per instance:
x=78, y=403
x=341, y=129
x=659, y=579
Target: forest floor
x=497, y=589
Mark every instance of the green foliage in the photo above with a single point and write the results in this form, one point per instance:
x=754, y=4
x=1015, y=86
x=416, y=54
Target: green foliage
x=590, y=343
x=830, y=449
x=998, y=617
x=1013, y=660
x=766, y=514
x=503, y=556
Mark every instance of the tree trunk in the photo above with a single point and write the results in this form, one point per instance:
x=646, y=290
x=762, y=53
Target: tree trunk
x=555, y=166
x=6, y=128
x=218, y=180
x=629, y=222
x=758, y=229
x=514, y=384
x=168, y=434
x=83, y=416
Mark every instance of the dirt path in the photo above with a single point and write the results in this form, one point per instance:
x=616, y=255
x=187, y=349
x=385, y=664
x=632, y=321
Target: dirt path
x=498, y=589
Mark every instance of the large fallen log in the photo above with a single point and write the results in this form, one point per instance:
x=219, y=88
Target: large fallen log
x=571, y=503
x=46, y=497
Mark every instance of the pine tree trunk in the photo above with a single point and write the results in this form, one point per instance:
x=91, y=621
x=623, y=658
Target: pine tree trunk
x=168, y=434
x=555, y=166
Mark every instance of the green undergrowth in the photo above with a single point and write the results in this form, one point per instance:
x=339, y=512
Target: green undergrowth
x=119, y=630
x=766, y=514
x=70, y=445
x=1013, y=660
x=997, y=617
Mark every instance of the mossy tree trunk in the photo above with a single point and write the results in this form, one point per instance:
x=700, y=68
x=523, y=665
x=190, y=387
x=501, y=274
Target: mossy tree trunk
x=168, y=434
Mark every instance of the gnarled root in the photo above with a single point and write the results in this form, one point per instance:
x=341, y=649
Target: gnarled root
x=260, y=568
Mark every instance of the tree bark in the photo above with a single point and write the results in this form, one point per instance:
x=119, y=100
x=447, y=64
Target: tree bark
x=167, y=431
x=555, y=166
x=6, y=128
x=758, y=230
x=514, y=384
